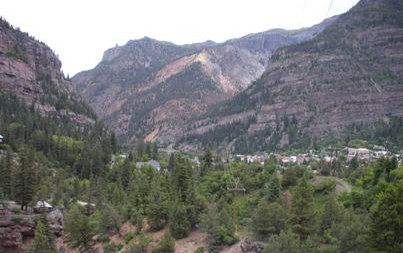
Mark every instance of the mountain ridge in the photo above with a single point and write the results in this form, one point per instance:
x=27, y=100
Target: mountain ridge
x=119, y=86
x=347, y=77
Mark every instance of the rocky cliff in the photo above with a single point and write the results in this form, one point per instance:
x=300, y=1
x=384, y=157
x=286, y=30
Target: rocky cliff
x=30, y=69
x=151, y=89
x=17, y=231
x=348, y=78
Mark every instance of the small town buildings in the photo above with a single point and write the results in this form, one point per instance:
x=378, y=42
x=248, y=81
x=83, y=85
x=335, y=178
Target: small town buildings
x=42, y=206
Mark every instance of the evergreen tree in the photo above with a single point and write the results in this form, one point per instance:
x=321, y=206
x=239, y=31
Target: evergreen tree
x=285, y=242
x=154, y=154
x=171, y=162
x=183, y=189
x=206, y=162
x=268, y=220
x=386, y=219
x=303, y=212
x=78, y=229
x=44, y=239
x=25, y=178
x=140, y=149
x=273, y=189
x=179, y=225
x=158, y=205
x=6, y=172
x=332, y=214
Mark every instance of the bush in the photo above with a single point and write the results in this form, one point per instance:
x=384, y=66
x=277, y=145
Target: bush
x=104, y=238
x=326, y=186
x=167, y=245
x=128, y=237
x=199, y=250
x=111, y=247
x=16, y=219
x=139, y=247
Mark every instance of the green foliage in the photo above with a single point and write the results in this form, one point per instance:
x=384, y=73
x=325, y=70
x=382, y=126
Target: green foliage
x=167, y=245
x=140, y=246
x=303, y=212
x=128, y=237
x=179, y=225
x=218, y=223
x=44, y=239
x=272, y=189
x=269, y=219
x=25, y=178
x=78, y=229
x=199, y=250
x=285, y=242
x=111, y=247
x=386, y=218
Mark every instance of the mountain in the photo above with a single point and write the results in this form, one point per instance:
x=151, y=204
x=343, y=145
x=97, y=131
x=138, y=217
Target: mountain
x=30, y=70
x=151, y=89
x=345, y=83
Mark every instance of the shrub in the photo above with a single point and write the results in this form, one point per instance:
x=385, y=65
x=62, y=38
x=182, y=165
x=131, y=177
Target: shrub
x=111, y=247
x=128, y=237
x=199, y=250
x=16, y=219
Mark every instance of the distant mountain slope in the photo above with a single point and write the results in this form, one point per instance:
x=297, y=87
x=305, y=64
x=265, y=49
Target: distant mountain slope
x=345, y=80
x=151, y=89
x=31, y=70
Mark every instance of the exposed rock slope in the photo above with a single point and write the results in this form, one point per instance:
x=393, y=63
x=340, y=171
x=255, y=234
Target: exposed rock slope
x=31, y=70
x=351, y=74
x=151, y=89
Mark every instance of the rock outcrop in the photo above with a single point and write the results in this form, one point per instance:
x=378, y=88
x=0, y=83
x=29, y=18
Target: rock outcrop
x=18, y=231
x=151, y=89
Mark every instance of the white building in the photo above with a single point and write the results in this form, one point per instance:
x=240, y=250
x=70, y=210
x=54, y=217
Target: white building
x=1, y=138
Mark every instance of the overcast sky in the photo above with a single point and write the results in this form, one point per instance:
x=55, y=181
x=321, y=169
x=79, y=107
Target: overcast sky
x=79, y=31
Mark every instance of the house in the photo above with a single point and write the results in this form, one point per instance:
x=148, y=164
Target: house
x=1, y=138
x=42, y=206
x=153, y=163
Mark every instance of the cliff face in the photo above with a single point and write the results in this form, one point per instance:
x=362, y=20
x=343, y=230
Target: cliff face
x=18, y=231
x=30, y=69
x=351, y=74
x=151, y=89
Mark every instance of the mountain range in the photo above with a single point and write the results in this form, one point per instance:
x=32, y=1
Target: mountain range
x=347, y=82
x=151, y=89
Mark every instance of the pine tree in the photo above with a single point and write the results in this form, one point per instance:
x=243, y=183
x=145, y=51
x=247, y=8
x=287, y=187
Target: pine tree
x=273, y=189
x=207, y=162
x=25, y=180
x=154, y=154
x=268, y=220
x=6, y=172
x=386, y=219
x=44, y=239
x=157, y=214
x=179, y=225
x=332, y=214
x=183, y=189
x=171, y=162
x=285, y=242
x=79, y=231
x=303, y=212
